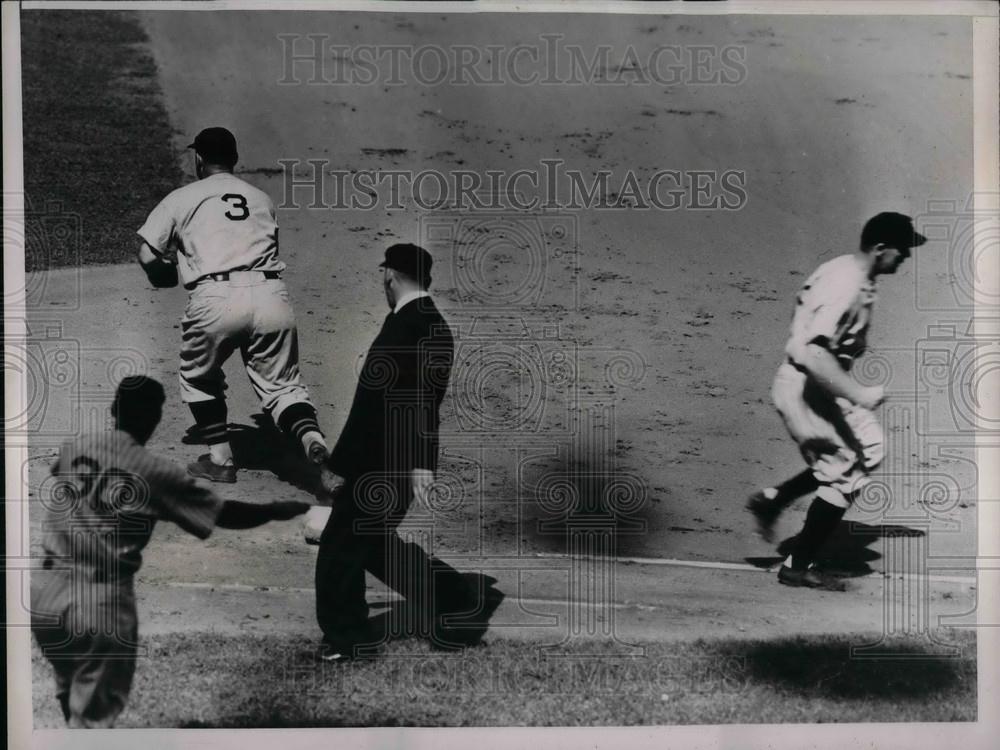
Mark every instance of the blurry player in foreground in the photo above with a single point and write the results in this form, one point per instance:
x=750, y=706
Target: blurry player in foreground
x=108, y=494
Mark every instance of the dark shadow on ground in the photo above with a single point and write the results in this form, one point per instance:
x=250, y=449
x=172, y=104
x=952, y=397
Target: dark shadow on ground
x=902, y=669
x=848, y=550
x=582, y=508
x=401, y=620
x=263, y=447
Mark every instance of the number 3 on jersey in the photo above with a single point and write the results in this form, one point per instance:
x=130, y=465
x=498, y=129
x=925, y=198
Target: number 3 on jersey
x=239, y=210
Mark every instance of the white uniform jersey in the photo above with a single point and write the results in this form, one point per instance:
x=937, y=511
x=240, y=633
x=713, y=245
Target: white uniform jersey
x=219, y=223
x=835, y=308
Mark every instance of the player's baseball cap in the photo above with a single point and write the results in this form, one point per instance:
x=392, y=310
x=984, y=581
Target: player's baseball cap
x=217, y=146
x=891, y=229
x=137, y=393
x=410, y=259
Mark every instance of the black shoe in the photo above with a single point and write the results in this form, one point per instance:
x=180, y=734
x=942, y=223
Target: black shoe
x=809, y=578
x=764, y=514
x=466, y=630
x=205, y=468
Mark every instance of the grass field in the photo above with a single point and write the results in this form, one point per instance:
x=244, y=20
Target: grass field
x=96, y=136
x=206, y=680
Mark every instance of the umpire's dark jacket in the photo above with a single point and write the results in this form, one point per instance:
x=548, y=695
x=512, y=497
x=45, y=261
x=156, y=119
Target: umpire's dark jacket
x=393, y=422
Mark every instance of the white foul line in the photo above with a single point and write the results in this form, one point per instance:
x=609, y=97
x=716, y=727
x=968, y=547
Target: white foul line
x=671, y=562
x=667, y=561
x=661, y=561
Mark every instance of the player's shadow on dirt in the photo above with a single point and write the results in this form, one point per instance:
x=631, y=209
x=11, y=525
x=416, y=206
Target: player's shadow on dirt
x=848, y=550
x=400, y=620
x=893, y=668
x=578, y=508
x=263, y=447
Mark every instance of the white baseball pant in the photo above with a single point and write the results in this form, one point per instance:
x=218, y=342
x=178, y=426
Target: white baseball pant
x=840, y=441
x=254, y=315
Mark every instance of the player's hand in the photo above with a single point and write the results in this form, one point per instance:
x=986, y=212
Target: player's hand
x=421, y=481
x=284, y=510
x=871, y=397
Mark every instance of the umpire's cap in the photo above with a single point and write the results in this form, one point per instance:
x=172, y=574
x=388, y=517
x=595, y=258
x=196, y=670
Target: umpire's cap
x=889, y=228
x=216, y=146
x=410, y=259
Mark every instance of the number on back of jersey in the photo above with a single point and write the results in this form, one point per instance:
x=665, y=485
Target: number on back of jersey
x=238, y=210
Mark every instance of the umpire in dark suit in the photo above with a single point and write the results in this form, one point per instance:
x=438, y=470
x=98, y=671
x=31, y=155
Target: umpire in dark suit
x=387, y=454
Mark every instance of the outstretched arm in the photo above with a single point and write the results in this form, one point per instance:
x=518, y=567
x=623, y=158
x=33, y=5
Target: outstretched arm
x=239, y=515
x=161, y=273
x=174, y=496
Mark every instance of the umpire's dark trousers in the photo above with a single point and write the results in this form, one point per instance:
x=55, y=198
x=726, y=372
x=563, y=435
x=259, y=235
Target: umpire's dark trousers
x=361, y=534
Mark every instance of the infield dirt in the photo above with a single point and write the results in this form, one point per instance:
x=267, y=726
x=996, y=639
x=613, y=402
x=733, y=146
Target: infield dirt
x=674, y=321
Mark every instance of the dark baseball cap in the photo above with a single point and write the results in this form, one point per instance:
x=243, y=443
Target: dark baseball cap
x=410, y=259
x=216, y=145
x=890, y=228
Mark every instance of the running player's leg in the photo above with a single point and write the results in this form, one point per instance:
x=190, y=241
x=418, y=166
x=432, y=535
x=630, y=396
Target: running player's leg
x=100, y=684
x=271, y=357
x=841, y=475
x=210, y=330
x=56, y=645
x=788, y=395
x=104, y=627
x=841, y=469
x=814, y=421
x=864, y=433
x=768, y=504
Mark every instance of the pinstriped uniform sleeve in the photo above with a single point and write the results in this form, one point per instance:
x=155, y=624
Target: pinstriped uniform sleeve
x=176, y=497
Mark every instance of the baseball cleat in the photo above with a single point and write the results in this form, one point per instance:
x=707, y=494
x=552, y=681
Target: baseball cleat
x=205, y=468
x=319, y=454
x=810, y=579
x=764, y=514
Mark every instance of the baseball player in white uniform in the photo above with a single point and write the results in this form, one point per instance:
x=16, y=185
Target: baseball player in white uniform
x=826, y=411
x=220, y=235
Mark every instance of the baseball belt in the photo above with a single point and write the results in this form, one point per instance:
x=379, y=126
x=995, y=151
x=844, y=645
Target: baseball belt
x=224, y=276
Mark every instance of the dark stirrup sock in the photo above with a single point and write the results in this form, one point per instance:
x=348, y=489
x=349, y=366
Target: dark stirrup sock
x=801, y=484
x=786, y=493
x=297, y=420
x=211, y=417
x=821, y=521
